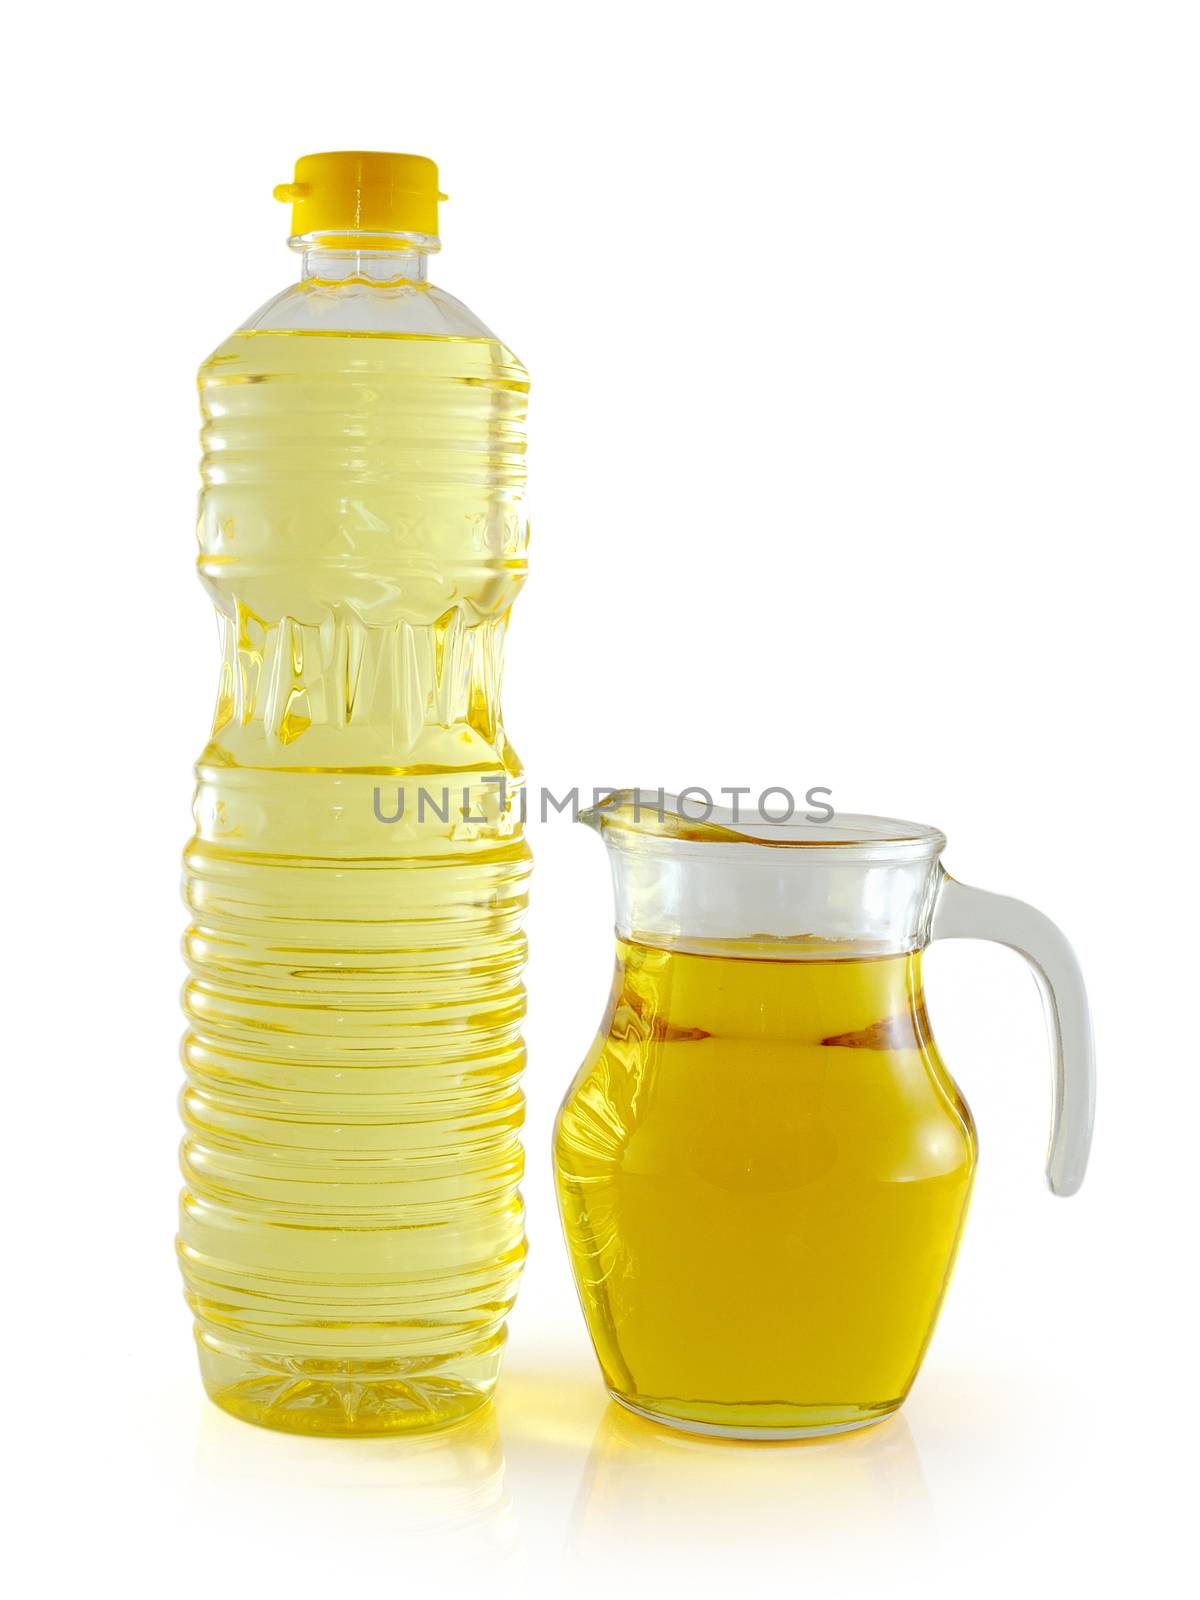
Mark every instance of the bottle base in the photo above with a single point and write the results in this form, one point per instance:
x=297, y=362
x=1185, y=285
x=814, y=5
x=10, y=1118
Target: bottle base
x=763, y=1423
x=338, y=1400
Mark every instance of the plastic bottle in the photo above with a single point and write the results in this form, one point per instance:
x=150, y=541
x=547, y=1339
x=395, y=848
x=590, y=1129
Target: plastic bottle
x=351, y=1229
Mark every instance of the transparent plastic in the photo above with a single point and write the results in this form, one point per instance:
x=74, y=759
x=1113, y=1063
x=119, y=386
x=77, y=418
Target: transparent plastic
x=763, y=1164
x=351, y=1229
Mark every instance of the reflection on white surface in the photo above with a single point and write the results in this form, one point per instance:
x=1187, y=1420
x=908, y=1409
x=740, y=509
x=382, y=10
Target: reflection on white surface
x=445, y=1490
x=555, y=1476
x=556, y=1485
x=651, y=1491
x=604, y=1490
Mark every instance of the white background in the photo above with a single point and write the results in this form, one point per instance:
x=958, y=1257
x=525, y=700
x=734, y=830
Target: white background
x=865, y=345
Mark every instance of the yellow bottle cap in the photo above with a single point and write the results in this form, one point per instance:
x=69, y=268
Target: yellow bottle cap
x=363, y=191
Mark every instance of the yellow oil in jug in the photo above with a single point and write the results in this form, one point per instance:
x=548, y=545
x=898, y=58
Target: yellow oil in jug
x=763, y=1170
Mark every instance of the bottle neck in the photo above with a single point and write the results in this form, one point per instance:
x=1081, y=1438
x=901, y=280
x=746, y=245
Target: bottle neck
x=365, y=257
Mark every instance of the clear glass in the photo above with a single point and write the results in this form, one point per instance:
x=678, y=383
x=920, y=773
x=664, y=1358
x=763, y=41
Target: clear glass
x=763, y=1164
x=351, y=1228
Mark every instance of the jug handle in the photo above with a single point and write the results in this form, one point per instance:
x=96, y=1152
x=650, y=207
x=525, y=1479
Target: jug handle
x=964, y=913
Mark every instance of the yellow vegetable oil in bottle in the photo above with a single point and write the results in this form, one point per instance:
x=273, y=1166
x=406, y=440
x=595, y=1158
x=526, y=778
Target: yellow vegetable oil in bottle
x=351, y=1229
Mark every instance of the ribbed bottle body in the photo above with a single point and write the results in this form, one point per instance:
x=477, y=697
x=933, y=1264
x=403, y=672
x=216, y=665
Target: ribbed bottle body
x=351, y=1227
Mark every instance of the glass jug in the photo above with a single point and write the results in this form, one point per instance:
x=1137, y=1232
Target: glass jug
x=763, y=1165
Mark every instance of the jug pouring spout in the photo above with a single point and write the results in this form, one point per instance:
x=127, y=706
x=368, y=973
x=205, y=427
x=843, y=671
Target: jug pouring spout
x=792, y=887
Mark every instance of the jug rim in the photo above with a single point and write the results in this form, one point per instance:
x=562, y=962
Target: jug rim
x=655, y=820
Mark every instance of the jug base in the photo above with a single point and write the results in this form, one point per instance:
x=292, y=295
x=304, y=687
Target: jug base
x=769, y=1431
x=335, y=1400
